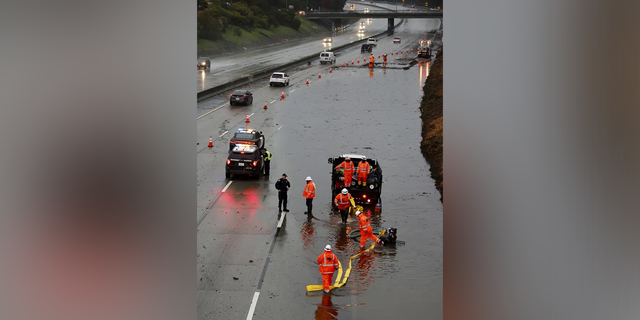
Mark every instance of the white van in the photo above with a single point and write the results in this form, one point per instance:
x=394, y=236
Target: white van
x=327, y=57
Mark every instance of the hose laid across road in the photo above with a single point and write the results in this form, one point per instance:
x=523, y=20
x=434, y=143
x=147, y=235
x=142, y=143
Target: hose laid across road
x=337, y=283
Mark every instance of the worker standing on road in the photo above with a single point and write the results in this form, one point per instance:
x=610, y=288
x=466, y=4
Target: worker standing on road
x=283, y=186
x=365, y=230
x=347, y=165
x=363, y=171
x=267, y=161
x=371, y=61
x=309, y=193
x=384, y=56
x=342, y=201
x=328, y=265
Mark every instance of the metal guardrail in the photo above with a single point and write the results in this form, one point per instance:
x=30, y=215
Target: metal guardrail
x=374, y=14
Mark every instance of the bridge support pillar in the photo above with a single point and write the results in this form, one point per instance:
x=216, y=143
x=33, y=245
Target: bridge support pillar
x=390, y=25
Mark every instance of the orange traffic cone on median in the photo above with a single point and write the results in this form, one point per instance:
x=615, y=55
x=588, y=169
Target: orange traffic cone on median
x=210, y=142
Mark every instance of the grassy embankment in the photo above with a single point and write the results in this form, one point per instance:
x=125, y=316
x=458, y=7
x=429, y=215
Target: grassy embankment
x=233, y=42
x=431, y=114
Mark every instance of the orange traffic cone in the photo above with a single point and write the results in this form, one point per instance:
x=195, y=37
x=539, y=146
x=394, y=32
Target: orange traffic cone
x=342, y=65
x=400, y=52
x=411, y=50
x=282, y=95
x=330, y=70
x=265, y=105
x=319, y=75
x=351, y=62
x=247, y=121
x=391, y=53
x=378, y=56
x=307, y=81
x=210, y=142
x=358, y=60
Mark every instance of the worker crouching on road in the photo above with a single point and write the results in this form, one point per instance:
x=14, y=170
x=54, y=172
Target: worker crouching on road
x=309, y=193
x=363, y=171
x=348, y=167
x=342, y=201
x=365, y=230
x=328, y=265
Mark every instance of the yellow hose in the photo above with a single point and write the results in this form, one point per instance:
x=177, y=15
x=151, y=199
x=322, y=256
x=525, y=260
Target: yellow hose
x=337, y=283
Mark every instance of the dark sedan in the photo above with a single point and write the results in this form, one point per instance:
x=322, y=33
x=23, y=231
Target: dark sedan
x=204, y=63
x=241, y=97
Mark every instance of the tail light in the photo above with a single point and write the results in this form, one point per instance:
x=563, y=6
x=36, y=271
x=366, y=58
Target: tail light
x=255, y=163
x=228, y=161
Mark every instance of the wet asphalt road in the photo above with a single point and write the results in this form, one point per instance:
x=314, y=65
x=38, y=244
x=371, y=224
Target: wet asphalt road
x=243, y=265
x=228, y=68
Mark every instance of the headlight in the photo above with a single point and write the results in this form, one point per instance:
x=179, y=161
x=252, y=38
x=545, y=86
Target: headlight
x=371, y=186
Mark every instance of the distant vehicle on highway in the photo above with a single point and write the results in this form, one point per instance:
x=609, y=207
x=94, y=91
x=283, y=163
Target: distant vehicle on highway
x=396, y=40
x=244, y=159
x=328, y=40
x=302, y=13
x=424, y=51
x=372, y=41
x=366, y=10
x=279, y=78
x=204, y=63
x=240, y=97
x=327, y=57
x=352, y=7
x=247, y=136
x=366, y=48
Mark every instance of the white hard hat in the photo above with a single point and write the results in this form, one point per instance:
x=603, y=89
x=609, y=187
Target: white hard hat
x=364, y=158
x=308, y=178
x=345, y=191
x=327, y=248
x=358, y=213
x=347, y=158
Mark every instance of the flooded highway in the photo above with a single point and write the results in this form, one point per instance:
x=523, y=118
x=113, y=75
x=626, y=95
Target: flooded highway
x=234, y=66
x=248, y=268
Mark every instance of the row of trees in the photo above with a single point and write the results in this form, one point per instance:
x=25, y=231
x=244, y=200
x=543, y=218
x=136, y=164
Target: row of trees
x=215, y=16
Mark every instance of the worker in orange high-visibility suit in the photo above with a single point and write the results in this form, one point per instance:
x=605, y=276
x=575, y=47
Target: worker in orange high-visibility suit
x=365, y=230
x=309, y=193
x=363, y=171
x=328, y=265
x=349, y=169
x=342, y=201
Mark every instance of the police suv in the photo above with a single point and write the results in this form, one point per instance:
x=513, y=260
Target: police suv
x=244, y=159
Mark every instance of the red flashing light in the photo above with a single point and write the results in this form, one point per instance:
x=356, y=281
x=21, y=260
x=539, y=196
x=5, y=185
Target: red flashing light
x=255, y=163
x=228, y=161
x=242, y=152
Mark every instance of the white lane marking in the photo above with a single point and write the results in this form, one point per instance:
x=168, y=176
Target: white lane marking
x=251, y=114
x=280, y=128
x=227, y=186
x=292, y=90
x=253, y=305
x=272, y=101
x=223, y=134
x=284, y=213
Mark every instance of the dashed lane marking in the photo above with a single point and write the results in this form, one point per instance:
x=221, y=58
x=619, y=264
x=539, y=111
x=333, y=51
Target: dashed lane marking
x=252, y=309
x=280, y=128
x=227, y=186
x=223, y=134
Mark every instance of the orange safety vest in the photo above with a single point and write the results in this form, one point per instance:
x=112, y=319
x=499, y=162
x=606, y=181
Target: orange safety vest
x=364, y=167
x=364, y=223
x=328, y=262
x=348, y=167
x=342, y=201
x=309, y=190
